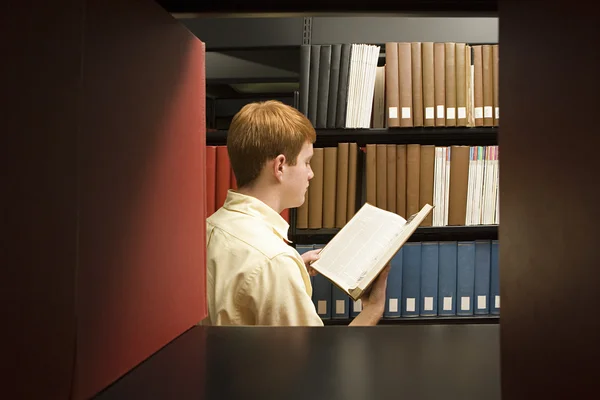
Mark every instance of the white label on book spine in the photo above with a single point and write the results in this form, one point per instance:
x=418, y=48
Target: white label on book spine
x=440, y=111
x=339, y=306
x=393, y=305
x=497, y=301
x=322, y=307
x=429, y=113
x=497, y=112
x=451, y=113
x=478, y=112
x=410, y=304
x=405, y=112
x=481, y=302
x=487, y=112
x=393, y=111
x=465, y=303
x=357, y=306
x=428, y=304
x=462, y=112
x=447, y=303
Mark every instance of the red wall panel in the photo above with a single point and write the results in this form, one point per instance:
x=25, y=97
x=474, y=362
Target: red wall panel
x=141, y=188
x=104, y=153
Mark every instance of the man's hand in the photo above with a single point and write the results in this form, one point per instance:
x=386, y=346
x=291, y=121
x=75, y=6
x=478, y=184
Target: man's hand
x=373, y=301
x=375, y=297
x=308, y=258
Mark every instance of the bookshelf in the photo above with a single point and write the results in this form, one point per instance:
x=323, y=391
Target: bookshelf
x=250, y=43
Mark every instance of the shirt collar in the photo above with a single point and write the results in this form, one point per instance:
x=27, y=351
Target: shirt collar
x=249, y=205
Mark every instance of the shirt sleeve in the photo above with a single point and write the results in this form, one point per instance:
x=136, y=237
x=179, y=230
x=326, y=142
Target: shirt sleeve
x=277, y=295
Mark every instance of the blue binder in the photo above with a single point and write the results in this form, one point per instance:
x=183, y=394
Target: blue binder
x=482, y=277
x=340, y=303
x=494, y=280
x=322, y=293
x=393, y=295
x=429, y=278
x=447, y=278
x=465, y=278
x=411, y=279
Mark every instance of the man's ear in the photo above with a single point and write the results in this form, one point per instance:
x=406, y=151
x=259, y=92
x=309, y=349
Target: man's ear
x=279, y=166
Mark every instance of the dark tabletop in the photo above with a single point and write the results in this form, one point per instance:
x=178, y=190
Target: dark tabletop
x=337, y=362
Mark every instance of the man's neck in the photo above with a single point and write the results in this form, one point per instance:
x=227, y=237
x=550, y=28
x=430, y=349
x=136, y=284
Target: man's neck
x=267, y=195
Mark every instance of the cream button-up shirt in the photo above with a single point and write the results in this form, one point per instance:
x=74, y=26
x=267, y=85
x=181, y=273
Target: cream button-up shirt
x=253, y=276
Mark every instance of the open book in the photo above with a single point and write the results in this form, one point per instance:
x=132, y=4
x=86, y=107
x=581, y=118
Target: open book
x=363, y=247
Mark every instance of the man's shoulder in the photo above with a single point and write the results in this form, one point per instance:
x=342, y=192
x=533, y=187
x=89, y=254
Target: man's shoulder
x=241, y=230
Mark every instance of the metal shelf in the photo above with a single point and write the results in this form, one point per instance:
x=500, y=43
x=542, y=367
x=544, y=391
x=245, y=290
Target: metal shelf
x=230, y=7
x=440, y=136
x=422, y=234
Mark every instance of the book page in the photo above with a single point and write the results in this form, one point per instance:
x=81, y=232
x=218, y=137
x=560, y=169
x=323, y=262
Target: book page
x=360, y=246
x=398, y=241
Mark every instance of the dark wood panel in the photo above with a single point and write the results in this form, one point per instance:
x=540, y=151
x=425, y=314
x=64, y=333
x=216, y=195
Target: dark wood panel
x=549, y=259
x=386, y=362
x=41, y=66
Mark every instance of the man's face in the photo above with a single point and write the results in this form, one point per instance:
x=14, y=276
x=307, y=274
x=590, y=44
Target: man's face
x=297, y=177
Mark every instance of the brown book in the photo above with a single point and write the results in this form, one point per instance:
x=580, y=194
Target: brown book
x=378, y=119
x=459, y=183
x=381, y=176
x=461, y=84
x=413, y=178
x=450, y=54
x=439, y=75
x=417, y=83
x=371, y=173
x=352, y=178
x=496, y=75
x=329, y=186
x=341, y=197
x=470, y=85
x=405, y=84
x=392, y=93
x=478, y=89
x=488, y=85
x=315, y=193
x=302, y=212
x=391, y=177
x=428, y=84
x=401, y=180
x=426, y=180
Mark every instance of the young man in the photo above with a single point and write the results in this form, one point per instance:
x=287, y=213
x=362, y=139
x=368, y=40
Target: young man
x=253, y=276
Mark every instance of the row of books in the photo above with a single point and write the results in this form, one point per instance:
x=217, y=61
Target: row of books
x=461, y=182
x=427, y=279
x=421, y=84
x=220, y=178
